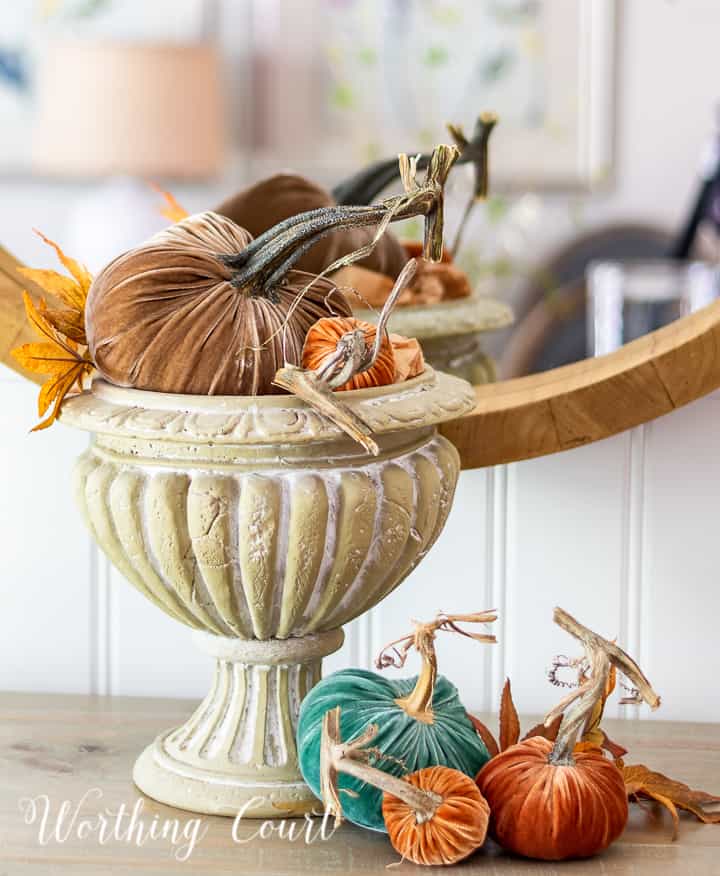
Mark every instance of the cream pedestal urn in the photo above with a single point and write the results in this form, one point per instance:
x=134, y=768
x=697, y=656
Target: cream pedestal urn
x=262, y=526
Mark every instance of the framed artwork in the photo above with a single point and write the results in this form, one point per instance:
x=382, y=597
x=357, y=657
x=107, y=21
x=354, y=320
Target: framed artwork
x=341, y=83
x=27, y=25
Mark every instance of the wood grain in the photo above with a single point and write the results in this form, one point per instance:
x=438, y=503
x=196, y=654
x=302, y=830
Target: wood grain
x=593, y=399
x=64, y=745
x=14, y=327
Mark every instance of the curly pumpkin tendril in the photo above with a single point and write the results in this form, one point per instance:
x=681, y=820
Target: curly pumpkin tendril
x=418, y=703
x=577, y=707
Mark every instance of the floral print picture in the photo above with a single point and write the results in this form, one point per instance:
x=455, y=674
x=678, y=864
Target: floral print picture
x=359, y=80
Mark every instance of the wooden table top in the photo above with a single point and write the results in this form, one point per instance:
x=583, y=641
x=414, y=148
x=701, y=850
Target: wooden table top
x=81, y=749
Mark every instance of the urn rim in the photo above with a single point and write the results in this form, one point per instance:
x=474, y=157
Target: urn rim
x=431, y=398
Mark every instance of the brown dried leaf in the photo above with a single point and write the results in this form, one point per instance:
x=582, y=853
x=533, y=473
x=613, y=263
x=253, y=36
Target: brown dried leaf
x=485, y=734
x=550, y=732
x=70, y=323
x=615, y=750
x=643, y=782
x=509, y=721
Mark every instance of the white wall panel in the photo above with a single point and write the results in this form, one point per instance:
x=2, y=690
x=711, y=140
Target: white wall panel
x=565, y=547
x=45, y=608
x=681, y=562
x=149, y=653
x=454, y=577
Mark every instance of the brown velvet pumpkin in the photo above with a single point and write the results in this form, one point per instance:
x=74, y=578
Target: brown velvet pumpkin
x=166, y=317
x=278, y=197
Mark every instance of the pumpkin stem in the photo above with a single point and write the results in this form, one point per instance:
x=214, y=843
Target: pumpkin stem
x=366, y=185
x=352, y=355
x=352, y=758
x=265, y=261
x=579, y=709
x=418, y=703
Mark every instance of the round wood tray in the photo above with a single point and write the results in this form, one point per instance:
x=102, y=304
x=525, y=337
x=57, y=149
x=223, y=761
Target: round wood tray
x=593, y=399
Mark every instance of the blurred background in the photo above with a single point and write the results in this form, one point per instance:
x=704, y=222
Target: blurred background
x=607, y=149
x=608, y=120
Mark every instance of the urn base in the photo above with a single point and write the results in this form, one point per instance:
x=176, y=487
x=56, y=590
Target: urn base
x=236, y=754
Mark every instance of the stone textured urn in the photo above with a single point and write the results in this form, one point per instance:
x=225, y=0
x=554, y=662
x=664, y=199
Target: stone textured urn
x=262, y=526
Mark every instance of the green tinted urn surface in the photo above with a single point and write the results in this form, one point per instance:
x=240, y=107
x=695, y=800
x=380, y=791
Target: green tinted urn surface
x=407, y=743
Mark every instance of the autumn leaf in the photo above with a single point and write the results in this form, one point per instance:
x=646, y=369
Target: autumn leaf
x=68, y=322
x=57, y=356
x=72, y=292
x=509, y=721
x=594, y=736
x=643, y=782
x=547, y=732
x=510, y=726
x=172, y=209
x=485, y=734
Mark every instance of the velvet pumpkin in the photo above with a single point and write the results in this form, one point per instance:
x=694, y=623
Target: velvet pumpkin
x=559, y=800
x=435, y=816
x=321, y=342
x=550, y=812
x=453, y=831
x=409, y=744
x=166, y=317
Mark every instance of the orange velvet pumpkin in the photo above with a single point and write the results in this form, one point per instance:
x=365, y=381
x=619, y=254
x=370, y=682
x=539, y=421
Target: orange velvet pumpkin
x=553, y=811
x=321, y=342
x=456, y=829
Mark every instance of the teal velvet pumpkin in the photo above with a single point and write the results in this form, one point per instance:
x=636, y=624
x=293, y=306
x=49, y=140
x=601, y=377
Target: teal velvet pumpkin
x=409, y=744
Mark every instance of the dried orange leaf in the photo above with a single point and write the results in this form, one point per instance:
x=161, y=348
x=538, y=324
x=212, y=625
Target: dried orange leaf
x=57, y=356
x=593, y=733
x=485, y=734
x=509, y=721
x=72, y=291
x=55, y=391
x=81, y=274
x=643, y=782
x=70, y=323
x=615, y=750
x=550, y=732
x=44, y=358
x=62, y=287
x=172, y=209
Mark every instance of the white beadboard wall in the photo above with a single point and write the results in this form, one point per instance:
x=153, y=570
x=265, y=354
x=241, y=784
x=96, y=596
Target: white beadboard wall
x=622, y=533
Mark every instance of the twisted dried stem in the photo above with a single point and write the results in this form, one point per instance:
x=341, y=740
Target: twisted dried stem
x=265, y=261
x=418, y=703
x=352, y=758
x=577, y=708
x=366, y=185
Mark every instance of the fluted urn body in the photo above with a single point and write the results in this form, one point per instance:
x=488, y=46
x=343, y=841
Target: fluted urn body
x=260, y=524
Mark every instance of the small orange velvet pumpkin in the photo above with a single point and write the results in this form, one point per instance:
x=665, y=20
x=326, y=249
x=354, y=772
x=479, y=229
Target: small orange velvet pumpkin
x=553, y=811
x=453, y=832
x=321, y=342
